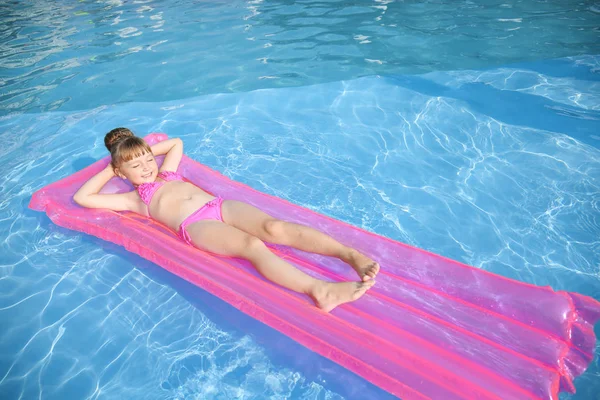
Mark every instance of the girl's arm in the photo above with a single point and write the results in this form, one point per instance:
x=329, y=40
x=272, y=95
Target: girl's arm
x=173, y=150
x=88, y=195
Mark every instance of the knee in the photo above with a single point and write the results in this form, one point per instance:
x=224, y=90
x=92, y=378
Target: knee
x=274, y=229
x=252, y=244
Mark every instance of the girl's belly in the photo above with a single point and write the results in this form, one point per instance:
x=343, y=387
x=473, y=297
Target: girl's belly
x=176, y=201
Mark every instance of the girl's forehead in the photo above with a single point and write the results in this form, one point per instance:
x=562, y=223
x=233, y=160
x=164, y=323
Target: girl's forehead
x=139, y=158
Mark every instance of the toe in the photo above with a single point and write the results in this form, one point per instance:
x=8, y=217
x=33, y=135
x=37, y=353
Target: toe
x=368, y=284
x=375, y=268
x=372, y=271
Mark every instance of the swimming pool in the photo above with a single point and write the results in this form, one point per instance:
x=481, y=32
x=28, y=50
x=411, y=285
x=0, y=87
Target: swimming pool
x=469, y=130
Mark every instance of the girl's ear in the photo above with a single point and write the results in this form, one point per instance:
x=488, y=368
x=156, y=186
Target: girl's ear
x=119, y=173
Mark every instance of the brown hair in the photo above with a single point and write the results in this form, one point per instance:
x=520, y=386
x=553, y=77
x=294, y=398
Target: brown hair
x=124, y=146
x=115, y=135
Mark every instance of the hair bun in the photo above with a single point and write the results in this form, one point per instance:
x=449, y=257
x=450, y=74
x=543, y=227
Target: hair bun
x=115, y=136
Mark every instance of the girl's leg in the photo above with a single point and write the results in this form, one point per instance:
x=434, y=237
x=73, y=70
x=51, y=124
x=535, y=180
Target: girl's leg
x=257, y=223
x=217, y=237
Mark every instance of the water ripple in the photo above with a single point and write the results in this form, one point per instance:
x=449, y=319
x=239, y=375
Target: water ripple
x=113, y=46
x=429, y=160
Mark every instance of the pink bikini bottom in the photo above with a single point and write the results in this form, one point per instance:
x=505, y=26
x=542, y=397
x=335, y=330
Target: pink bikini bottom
x=211, y=210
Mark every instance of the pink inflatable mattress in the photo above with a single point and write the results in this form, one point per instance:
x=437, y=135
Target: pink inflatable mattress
x=431, y=328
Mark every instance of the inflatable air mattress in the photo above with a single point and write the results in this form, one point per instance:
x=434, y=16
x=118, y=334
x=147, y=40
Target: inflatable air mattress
x=431, y=328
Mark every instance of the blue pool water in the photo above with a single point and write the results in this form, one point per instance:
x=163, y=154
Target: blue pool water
x=470, y=129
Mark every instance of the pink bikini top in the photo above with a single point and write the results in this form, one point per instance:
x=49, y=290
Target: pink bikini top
x=147, y=190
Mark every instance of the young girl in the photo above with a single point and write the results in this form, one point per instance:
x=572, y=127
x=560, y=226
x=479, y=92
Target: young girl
x=226, y=227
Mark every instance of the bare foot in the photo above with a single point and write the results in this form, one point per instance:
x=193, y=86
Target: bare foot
x=366, y=268
x=328, y=295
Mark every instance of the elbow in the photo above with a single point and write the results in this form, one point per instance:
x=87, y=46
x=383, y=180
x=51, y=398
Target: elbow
x=178, y=142
x=79, y=199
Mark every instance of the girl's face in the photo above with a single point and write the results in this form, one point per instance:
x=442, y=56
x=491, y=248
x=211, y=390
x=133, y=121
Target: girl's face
x=142, y=169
